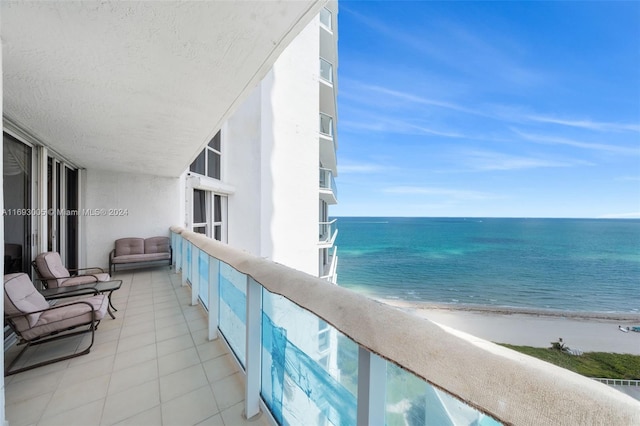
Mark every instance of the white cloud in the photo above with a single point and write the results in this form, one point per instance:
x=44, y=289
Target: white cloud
x=361, y=168
x=587, y=124
x=633, y=215
x=555, y=140
x=458, y=194
x=490, y=161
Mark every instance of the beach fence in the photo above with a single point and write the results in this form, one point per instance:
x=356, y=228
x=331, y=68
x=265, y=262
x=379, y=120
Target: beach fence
x=618, y=382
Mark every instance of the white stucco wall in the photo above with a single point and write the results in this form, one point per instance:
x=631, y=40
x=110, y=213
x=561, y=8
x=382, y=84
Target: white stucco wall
x=151, y=205
x=241, y=142
x=270, y=157
x=290, y=154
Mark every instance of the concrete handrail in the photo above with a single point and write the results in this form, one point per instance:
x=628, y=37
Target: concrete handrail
x=509, y=386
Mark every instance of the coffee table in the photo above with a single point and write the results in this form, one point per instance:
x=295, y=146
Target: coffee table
x=99, y=287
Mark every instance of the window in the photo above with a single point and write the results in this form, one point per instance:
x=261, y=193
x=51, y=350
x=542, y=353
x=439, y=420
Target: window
x=209, y=214
x=208, y=162
x=200, y=213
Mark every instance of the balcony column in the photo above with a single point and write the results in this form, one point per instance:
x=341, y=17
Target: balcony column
x=253, y=347
x=372, y=383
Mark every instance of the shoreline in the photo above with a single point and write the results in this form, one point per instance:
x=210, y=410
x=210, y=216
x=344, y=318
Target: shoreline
x=585, y=331
x=511, y=310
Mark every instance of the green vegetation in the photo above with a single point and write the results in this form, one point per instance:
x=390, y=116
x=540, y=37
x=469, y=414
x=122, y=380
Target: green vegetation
x=590, y=364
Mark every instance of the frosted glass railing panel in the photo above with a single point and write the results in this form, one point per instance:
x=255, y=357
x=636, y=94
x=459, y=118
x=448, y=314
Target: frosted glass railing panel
x=187, y=262
x=203, y=273
x=412, y=401
x=300, y=378
x=176, y=244
x=233, y=309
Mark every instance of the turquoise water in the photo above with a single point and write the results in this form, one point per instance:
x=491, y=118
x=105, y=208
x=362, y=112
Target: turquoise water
x=560, y=264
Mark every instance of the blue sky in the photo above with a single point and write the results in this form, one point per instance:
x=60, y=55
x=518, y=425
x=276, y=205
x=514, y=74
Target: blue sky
x=494, y=109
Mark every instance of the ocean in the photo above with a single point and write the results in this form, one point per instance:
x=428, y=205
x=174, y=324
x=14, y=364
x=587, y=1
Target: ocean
x=577, y=265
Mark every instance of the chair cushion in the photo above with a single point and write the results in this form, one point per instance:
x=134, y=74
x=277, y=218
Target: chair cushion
x=67, y=315
x=157, y=245
x=20, y=296
x=50, y=268
x=85, y=279
x=126, y=246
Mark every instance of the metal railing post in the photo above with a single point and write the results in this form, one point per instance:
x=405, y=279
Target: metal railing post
x=214, y=297
x=184, y=264
x=253, y=348
x=372, y=383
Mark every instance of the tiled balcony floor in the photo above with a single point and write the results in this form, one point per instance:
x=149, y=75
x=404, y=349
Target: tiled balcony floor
x=152, y=365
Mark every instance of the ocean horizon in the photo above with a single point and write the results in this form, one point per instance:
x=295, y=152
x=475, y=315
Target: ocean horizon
x=550, y=264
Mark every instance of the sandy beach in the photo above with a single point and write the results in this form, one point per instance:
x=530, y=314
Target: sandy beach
x=588, y=332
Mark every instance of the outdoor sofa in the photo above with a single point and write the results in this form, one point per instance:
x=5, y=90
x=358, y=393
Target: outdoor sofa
x=140, y=252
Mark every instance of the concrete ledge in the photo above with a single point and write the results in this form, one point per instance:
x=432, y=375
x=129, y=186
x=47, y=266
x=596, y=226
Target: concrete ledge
x=509, y=386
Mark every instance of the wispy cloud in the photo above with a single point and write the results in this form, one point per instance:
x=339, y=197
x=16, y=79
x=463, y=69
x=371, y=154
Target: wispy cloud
x=458, y=194
x=361, y=168
x=555, y=140
x=496, y=161
x=587, y=124
x=409, y=97
x=632, y=215
x=389, y=125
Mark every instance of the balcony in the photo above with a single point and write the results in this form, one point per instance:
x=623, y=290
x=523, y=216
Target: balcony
x=326, y=19
x=229, y=335
x=326, y=71
x=328, y=188
x=152, y=365
x=327, y=90
x=327, y=234
x=326, y=126
x=329, y=273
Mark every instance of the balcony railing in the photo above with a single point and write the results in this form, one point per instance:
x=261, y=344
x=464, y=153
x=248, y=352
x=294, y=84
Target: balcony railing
x=327, y=182
x=329, y=272
x=326, y=70
x=388, y=364
x=326, y=125
x=325, y=18
x=328, y=232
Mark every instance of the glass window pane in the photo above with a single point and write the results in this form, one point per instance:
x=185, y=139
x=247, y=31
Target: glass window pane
x=198, y=164
x=217, y=208
x=16, y=170
x=217, y=232
x=215, y=142
x=199, y=206
x=213, y=160
x=200, y=229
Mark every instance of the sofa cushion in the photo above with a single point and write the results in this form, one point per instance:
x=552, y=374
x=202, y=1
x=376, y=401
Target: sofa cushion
x=141, y=257
x=157, y=245
x=127, y=246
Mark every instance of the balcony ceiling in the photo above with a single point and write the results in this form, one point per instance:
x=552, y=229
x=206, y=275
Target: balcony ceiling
x=137, y=86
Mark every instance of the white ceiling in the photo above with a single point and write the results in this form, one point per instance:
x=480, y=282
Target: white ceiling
x=137, y=86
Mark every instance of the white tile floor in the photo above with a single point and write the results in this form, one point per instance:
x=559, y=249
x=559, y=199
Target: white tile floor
x=152, y=365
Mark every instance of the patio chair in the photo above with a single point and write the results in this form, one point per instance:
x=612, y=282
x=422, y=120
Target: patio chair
x=35, y=322
x=52, y=273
